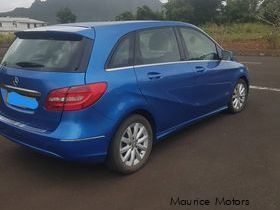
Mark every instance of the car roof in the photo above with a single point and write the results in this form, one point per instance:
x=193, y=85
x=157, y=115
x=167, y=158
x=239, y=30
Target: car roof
x=133, y=24
x=85, y=28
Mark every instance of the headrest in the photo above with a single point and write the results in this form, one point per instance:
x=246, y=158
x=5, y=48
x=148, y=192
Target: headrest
x=160, y=41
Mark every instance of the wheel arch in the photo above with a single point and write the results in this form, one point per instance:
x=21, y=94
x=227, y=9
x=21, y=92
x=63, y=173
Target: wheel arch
x=149, y=117
x=243, y=77
x=143, y=112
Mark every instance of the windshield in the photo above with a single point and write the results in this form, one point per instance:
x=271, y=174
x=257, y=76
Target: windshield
x=43, y=54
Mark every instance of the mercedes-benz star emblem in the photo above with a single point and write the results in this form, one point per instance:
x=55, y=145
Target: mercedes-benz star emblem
x=16, y=81
x=3, y=68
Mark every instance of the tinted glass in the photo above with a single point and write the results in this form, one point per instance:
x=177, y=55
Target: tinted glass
x=199, y=46
x=47, y=54
x=121, y=56
x=157, y=46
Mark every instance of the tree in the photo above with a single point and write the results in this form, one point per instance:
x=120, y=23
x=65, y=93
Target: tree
x=179, y=10
x=195, y=11
x=125, y=16
x=270, y=12
x=240, y=10
x=66, y=16
x=142, y=13
x=205, y=10
x=145, y=13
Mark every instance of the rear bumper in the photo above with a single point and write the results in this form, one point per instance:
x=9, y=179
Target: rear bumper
x=74, y=148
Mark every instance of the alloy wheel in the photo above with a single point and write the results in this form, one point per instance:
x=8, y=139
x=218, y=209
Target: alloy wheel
x=134, y=144
x=239, y=96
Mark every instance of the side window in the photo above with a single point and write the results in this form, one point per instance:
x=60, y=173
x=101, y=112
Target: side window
x=199, y=46
x=122, y=54
x=157, y=46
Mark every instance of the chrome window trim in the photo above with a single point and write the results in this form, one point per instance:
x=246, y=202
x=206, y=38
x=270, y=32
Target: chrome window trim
x=158, y=64
x=119, y=68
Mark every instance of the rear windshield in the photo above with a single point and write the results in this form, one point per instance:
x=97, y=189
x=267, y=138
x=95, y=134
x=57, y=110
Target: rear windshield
x=49, y=52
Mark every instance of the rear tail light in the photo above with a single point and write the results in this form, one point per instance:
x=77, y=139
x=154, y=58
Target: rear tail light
x=75, y=98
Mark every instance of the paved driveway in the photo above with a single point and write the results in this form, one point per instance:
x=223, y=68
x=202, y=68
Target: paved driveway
x=230, y=156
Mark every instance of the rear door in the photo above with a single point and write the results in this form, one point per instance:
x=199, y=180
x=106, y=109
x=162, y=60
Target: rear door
x=213, y=80
x=36, y=64
x=163, y=78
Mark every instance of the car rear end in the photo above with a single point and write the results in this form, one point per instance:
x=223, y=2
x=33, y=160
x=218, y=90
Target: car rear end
x=45, y=103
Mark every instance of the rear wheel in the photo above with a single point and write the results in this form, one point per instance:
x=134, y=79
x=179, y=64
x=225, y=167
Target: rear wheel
x=239, y=97
x=131, y=146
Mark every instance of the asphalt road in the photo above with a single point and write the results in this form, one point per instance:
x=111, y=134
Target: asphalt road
x=224, y=156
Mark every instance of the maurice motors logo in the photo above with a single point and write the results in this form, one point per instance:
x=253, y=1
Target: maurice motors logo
x=218, y=201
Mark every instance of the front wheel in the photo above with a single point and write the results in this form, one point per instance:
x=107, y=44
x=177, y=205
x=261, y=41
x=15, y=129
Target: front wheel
x=239, y=97
x=131, y=146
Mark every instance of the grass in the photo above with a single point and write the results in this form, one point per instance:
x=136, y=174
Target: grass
x=245, y=32
x=6, y=38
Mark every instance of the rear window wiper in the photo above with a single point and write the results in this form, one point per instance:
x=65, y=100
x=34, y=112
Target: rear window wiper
x=30, y=65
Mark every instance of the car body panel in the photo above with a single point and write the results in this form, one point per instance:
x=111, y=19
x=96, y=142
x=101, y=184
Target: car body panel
x=41, y=82
x=171, y=96
x=214, y=84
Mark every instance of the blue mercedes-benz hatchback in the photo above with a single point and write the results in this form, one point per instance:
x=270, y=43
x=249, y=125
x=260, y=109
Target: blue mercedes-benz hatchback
x=107, y=91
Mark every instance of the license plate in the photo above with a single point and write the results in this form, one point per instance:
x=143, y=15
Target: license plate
x=21, y=101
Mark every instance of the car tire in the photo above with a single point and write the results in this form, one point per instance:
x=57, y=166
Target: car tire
x=131, y=146
x=239, y=97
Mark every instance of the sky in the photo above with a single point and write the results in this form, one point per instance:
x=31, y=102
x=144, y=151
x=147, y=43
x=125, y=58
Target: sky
x=7, y=5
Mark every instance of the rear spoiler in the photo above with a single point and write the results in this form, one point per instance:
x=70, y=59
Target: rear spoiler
x=49, y=35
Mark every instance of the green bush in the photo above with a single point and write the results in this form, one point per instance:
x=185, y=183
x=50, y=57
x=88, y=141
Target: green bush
x=6, y=38
x=273, y=39
x=239, y=32
x=244, y=32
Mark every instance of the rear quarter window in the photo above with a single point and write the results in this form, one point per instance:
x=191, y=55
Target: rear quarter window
x=122, y=54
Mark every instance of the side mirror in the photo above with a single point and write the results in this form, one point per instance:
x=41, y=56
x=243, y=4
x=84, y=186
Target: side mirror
x=227, y=55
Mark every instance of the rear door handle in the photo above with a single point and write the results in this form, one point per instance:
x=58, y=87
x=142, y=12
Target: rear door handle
x=200, y=69
x=154, y=75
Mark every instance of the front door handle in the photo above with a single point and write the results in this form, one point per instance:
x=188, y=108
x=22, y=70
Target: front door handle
x=154, y=75
x=200, y=69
